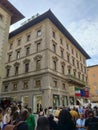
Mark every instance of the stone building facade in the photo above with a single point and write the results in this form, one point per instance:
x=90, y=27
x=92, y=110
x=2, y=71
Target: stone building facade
x=44, y=64
x=8, y=15
x=93, y=82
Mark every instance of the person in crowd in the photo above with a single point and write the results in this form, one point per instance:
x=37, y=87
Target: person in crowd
x=52, y=122
x=91, y=122
x=43, y=123
x=15, y=117
x=1, y=118
x=22, y=125
x=7, y=117
x=65, y=121
x=80, y=122
x=80, y=109
x=41, y=112
x=30, y=120
x=58, y=111
x=74, y=113
x=95, y=111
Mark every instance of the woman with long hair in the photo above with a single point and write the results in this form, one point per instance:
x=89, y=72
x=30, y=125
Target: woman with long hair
x=65, y=121
x=42, y=123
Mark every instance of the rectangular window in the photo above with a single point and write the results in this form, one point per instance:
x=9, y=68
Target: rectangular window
x=38, y=65
x=63, y=86
x=53, y=34
x=67, y=46
x=61, y=42
x=7, y=72
x=16, y=70
x=38, y=46
x=69, y=71
x=9, y=57
x=26, y=67
x=73, y=61
x=38, y=83
x=18, y=42
x=18, y=54
x=68, y=58
x=28, y=37
x=39, y=33
x=6, y=88
x=55, y=67
x=25, y=85
x=14, y=86
x=62, y=53
x=27, y=51
x=54, y=48
x=55, y=84
x=62, y=69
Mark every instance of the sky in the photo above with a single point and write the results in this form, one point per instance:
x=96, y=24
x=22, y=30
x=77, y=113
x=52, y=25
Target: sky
x=79, y=17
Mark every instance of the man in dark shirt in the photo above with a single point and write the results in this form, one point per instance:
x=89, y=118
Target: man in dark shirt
x=91, y=122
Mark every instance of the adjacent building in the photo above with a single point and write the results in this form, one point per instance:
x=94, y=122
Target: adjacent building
x=93, y=82
x=44, y=64
x=8, y=16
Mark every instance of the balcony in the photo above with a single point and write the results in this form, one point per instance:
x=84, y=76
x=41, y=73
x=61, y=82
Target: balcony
x=73, y=79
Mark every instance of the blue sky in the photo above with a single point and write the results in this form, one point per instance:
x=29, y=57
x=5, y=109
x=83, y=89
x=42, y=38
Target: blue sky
x=80, y=18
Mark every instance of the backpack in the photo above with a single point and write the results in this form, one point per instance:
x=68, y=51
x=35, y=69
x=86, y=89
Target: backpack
x=13, y=127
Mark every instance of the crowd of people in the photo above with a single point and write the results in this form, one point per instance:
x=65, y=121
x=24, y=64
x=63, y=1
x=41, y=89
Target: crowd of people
x=15, y=117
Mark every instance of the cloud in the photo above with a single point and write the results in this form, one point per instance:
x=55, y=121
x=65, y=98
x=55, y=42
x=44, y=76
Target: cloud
x=86, y=33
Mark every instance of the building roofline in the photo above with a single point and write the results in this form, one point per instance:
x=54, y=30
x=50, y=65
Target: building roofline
x=92, y=66
x=15, y=14
x=57, y=23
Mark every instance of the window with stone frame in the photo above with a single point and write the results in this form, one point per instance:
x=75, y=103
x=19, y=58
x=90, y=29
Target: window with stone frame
x=38, y=46
x=9, y=57
x=5, y=88
x=68, y=57
x=38, y=64
x=78, y=64
x=63, y=69
x=79, y=75
x=74, y=72
x=28, y=37
x=61, y=41
x=18, y=42
x=55, y=84
x=14, y=86
x=27, y=50
x=39, y=33
x=55, y=65
x=63, y=86
x=73, y=61
x=55, y=59
x=8, y=70
x=62, y=53
x=67, y=46
x=53, y=34
x=16, y=70
x=16, y=65
x=26, y=67
x=38, y=83
x=25, y=86
x=69, y=70
x=54, y=47
x=17, y=54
